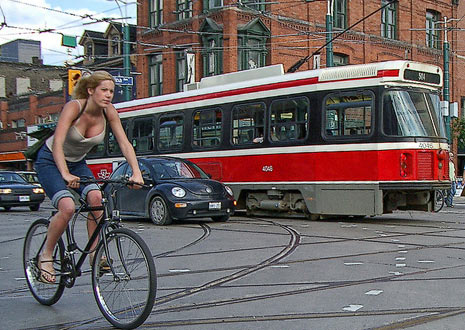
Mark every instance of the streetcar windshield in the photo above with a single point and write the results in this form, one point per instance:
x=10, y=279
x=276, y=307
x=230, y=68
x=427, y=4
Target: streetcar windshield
x=412, y=113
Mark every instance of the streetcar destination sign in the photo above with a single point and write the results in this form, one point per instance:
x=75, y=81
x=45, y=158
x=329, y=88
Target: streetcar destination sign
x=432, y=78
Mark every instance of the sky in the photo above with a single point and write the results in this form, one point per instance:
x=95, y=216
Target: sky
x=23, y=19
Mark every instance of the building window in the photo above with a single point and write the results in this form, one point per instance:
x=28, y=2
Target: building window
x=432, y=30
x=212, y=4
x=252, y=45
x=115, y=42
x=389, y=20
x=340, y=14
x=212, y=57
x=181, y=70
x=156, y=13
x=254, y=4
x=340, y=59
x=156, y=75
x=183, y=9
x=89, y=50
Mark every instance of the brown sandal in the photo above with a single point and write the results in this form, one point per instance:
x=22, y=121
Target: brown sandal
x=46, y=276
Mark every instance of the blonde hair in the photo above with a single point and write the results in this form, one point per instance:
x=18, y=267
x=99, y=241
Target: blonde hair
x=90, y=81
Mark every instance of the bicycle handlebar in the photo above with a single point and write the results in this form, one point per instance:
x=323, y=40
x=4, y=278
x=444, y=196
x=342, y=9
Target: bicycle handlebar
x=123, y=181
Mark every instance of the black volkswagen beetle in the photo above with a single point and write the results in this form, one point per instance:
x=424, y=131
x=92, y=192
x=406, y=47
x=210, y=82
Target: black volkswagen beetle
x=178, y=190
x=16, y=191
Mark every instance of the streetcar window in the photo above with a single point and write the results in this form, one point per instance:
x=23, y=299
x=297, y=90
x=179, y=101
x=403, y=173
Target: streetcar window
x=142, y=135
x=412, y=113
x=348, y=114
x=207, y=128
x=171, y=132
x=113, y=146
x=248, y=123
x=289, y=119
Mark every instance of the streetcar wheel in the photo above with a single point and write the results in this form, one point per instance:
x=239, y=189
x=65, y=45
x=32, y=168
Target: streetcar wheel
x=45, y=293
x=124, y=281
x=159, y=213
x=7, y=208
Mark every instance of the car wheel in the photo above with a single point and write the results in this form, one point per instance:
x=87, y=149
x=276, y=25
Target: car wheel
x=34, y=207
x=7, y=208
x=221, y=218
x=159, y=213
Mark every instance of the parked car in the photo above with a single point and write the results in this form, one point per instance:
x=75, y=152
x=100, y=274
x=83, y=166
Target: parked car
x=178, y=190
x=30, y=176
x=16, y=191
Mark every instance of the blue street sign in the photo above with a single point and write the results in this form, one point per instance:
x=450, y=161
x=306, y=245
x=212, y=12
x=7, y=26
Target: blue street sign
x=123, y=80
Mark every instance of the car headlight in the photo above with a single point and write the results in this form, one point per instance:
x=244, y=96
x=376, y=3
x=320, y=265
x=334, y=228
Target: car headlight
x=229, y=190
x=38, y=190
x=5, y=191
x=178, y=192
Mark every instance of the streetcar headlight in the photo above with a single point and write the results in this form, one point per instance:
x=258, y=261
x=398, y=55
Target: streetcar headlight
x=229, y=190
x=38, y=190
x=5, y=191
x=178, y=192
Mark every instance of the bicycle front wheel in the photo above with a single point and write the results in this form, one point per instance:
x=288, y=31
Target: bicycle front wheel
x=45, y=293
x=124, y=279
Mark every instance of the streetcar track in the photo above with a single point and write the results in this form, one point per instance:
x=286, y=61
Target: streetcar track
x=287, y=249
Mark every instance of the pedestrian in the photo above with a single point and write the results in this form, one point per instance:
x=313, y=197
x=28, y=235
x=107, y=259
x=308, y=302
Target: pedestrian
x=61, y=160
x=453, y=179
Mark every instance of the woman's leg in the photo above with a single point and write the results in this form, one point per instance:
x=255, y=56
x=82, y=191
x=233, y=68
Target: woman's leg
x=56, y=228
x=94, y=198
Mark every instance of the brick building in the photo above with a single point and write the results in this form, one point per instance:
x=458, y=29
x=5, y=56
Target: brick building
x=30, y=94
x=222, y=36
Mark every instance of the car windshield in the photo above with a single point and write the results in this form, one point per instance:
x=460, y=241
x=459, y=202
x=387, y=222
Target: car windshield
x=177, y=169
x=11, y=177
x=412, y=113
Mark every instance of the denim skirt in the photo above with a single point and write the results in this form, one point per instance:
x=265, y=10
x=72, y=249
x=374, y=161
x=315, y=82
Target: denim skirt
x=51, y=180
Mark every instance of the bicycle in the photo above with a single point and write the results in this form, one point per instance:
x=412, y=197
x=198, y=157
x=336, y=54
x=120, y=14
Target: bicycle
x=439, y=199
x=124, y=286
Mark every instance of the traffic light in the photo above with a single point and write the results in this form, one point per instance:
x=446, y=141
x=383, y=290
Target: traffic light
x=73, y=78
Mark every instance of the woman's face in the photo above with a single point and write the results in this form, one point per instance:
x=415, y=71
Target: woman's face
x=103, y=93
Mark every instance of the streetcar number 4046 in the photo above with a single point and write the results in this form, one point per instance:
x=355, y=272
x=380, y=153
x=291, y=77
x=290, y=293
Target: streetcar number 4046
x=267, y=168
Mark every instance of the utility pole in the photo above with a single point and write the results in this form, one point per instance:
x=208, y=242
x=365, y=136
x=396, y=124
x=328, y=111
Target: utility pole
x=446, y=79
x=329, y=34
x=126, y=60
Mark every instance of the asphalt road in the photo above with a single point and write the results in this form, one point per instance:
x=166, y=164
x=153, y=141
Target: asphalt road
x=404, y=270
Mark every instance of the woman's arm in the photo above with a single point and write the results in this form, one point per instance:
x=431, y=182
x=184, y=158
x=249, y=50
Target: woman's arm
x=124, y=144
x=67, y=117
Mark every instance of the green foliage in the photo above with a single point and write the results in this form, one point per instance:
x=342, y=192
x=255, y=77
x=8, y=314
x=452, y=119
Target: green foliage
x=458, y=130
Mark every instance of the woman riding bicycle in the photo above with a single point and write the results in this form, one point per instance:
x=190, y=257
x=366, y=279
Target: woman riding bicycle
x=61, y=161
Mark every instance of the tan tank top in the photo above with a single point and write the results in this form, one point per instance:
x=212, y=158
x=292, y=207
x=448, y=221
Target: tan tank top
x=76, y=146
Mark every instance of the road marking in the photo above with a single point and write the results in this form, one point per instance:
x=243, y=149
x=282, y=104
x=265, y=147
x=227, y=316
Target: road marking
x=353, y=263
x=179, y=270
x=374, y=292
x=352, y=308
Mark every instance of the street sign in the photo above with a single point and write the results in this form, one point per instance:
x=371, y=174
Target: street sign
x=123, y=80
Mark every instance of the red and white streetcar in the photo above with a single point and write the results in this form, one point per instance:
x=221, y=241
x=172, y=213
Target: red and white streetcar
x=356, y=140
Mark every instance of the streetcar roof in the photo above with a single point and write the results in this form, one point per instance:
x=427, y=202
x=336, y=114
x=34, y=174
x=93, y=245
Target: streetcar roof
x=272, y=80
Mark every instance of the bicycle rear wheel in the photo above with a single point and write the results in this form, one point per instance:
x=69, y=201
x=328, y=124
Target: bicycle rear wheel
x=125, y=294
x=45, y=293
x=438, y=200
